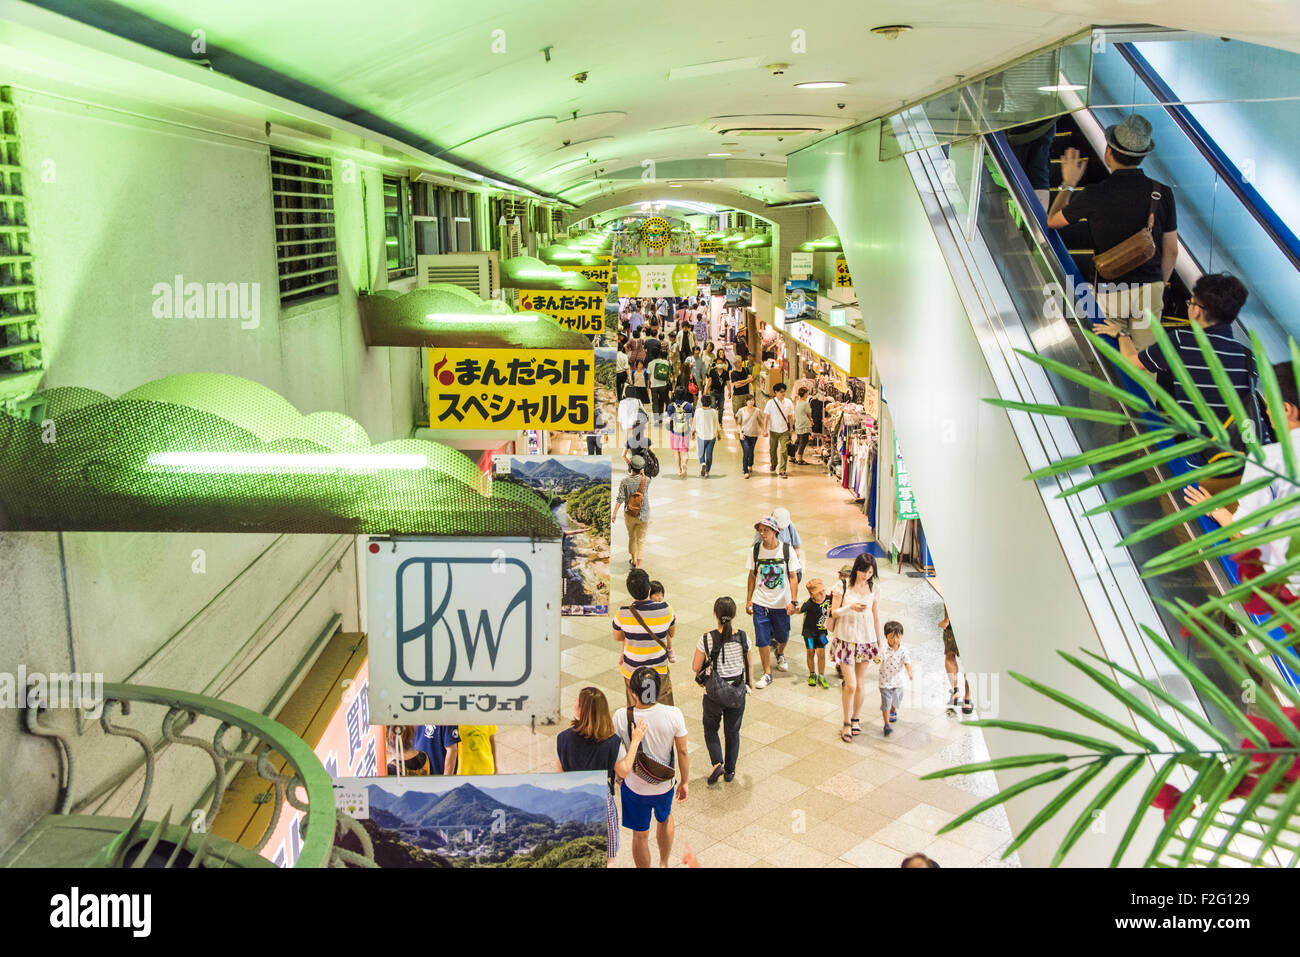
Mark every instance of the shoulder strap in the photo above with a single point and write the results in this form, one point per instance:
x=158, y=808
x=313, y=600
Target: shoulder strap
x=785, y=554
x=641, y=621
x=1155, y=198
x=757, y=545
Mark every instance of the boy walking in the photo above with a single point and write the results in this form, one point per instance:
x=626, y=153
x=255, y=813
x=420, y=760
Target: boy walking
x=894, y=659
x=816, y=612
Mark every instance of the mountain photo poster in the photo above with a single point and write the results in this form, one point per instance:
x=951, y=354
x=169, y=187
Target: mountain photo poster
x=496, y=820
x=578, y=490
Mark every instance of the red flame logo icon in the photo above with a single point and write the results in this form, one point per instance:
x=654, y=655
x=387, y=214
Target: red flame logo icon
x=445, y=376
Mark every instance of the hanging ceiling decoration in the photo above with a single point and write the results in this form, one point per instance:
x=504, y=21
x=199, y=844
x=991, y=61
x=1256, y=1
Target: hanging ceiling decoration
x=655, y=232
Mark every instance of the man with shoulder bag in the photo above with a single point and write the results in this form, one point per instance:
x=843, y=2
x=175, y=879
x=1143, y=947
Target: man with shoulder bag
x=722, y=668
x=655, y=736
x=1134, y=225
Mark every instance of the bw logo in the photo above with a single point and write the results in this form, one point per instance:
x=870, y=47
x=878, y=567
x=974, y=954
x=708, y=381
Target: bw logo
x=464, y=622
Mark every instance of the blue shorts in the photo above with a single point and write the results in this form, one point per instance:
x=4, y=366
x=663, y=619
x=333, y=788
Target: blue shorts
x=637, y=808
x=771, y=626
x=816, y=641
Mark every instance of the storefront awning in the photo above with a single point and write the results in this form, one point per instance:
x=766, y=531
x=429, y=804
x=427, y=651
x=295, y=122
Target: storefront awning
x=435, y=317
x=841, y=346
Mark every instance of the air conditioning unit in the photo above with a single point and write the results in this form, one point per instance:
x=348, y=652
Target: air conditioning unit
x=479, y=272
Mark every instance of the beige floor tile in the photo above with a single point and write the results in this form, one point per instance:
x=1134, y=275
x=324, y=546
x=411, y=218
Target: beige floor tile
x=860, y=819
x=873, y=772
x=846, y=787
x=725, y=855
x=951, y=854
x=869, y=853
x=903, y=837
x=794, y=854
x=778, y=788
x=828, y=838
x=978, y=837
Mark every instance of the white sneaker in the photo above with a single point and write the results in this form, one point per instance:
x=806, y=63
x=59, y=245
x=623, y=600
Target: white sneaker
x=782, y=663
x=763, y=682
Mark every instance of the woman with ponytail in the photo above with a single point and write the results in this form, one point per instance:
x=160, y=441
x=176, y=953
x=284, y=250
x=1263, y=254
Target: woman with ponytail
x=722, y=658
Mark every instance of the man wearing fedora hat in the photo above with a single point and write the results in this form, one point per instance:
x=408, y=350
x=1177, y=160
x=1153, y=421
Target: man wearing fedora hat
x=1116, y=208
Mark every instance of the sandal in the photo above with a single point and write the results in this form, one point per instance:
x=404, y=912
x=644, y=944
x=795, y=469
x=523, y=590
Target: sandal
x=857, y=727
x=846, y=736
x=967, y=707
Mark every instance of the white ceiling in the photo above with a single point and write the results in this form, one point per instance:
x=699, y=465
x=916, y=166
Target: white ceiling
x=663, y=78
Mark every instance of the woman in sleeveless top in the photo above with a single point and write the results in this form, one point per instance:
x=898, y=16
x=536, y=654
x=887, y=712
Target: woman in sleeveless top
x=855, y=616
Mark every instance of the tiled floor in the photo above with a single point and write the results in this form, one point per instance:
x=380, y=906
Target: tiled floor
x=801, y=797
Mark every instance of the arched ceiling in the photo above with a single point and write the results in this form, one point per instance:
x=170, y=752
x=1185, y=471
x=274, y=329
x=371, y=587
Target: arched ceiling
x=665, y=84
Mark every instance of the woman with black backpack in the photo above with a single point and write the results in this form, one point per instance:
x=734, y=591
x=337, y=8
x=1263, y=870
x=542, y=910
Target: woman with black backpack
x=680, y=414
x=721, y=666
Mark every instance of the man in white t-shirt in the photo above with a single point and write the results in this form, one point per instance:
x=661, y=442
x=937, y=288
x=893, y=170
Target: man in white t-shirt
x=771, y=596
x=659, y=733
x=778, y=416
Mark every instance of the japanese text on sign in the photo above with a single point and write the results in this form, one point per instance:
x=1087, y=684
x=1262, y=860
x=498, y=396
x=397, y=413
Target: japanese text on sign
x=512, y=389
x=842, y=277
x=464, y=702
x=581, y=311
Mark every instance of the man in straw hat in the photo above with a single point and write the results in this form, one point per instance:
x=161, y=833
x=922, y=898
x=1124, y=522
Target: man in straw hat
x=1116, y=208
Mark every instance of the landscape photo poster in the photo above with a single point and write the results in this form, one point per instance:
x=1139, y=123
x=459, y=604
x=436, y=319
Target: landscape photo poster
x=557, y=819
x=577, y=488
x=606, y=379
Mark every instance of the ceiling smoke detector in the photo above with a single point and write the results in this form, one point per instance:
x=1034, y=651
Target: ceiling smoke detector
x=892, y=31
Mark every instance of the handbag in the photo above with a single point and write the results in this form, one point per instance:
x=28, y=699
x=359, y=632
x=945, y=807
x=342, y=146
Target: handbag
x=1132, y=252
x=726, y=692
x=644, y=766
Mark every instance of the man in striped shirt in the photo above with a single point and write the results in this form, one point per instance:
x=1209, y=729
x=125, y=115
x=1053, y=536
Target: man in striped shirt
x=1216, y=300
x=642, y=647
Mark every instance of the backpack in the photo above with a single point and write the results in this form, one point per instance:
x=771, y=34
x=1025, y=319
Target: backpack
x=681, y=423
x=785, y=554
x=637, y=499
x=660, y=370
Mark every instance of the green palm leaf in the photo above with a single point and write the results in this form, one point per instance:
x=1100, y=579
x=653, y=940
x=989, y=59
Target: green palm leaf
x=998, y=764
x=1174, y=412
x=1065, y=411
x=1238, y=526
x=1238, y=770
x=1273, y=402
x=1264, y=536
x=1049, y=811
x=1247, y=813
x=1180, y=706
x=1100, y=386
x=1282, y=815
x=1228, y=393
x=1149, y=461
x=1183, y=809
x=1098, y=803
x=1020, y=787
x=1144, y=802
x=1221, y=467
x=1092, y=714
x=1133, y=702
x=1190, y=389
x=1056, y=734
x=1205, y=688
x=1105, y=454
x=1191, y=513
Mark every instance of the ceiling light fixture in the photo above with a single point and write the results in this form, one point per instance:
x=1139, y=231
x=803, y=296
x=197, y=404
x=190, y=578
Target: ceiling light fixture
x=892, y=31
x=719, y=154
x=820, y=85
x=1062, y=88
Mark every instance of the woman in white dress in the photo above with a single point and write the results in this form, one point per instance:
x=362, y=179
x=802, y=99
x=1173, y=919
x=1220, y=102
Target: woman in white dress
x=855, y=644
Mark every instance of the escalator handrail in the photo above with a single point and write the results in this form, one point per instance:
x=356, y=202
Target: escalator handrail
x=1224, y=168
x=1001, y=150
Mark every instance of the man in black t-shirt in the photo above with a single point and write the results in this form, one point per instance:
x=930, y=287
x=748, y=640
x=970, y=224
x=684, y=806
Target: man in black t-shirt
x=1115, y=209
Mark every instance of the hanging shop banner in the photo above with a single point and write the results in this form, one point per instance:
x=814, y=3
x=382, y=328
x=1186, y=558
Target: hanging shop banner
x=871, y=401
x=512, y=388
x=903, y=486
x=555, y=819
x=718, y=279
x=711, y=247
x=463, y=630
x=739, y=291
x=683, y=244
x=702, y=267
x=847, y=352
x=577, y=489
x=580, y=311
x=800, y=299
x=842, y=277
x=603, y=274
x=801, y=264
x=647, y=280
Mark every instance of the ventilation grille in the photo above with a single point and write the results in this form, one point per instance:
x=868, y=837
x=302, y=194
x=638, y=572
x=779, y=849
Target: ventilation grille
x=476, y=272
x=306, y=254
x=20, y=344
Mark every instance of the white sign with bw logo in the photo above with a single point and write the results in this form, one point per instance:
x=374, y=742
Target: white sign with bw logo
x=464, y=631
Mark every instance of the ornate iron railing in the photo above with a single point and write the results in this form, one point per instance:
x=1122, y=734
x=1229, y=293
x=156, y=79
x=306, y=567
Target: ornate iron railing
x=259, y=740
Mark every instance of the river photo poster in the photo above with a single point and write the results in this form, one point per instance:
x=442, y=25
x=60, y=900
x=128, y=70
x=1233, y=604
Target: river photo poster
x=577, y=490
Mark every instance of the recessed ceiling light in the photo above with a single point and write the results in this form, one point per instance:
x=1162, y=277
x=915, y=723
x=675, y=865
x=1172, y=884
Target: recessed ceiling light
x=820, y=85
x=719, y=154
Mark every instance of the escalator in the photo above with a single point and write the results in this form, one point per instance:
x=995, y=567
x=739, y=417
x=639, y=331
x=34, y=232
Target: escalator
x=1224, y=224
